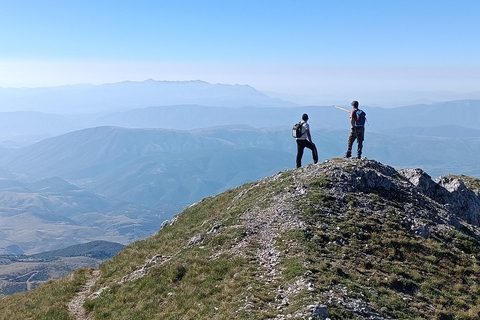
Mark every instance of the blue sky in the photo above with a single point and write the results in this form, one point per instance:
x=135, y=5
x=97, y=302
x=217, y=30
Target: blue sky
x=311, y=47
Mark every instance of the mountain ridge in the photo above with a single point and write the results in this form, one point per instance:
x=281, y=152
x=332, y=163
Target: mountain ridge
x=23, y=128
x=344, y=239
x=86, y=98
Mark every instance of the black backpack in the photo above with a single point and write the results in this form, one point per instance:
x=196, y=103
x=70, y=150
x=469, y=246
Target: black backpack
x=297, y=130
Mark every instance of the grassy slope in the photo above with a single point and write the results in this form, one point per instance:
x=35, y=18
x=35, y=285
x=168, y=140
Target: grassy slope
x=192, y=284
x=362, y=255
x=47, y=302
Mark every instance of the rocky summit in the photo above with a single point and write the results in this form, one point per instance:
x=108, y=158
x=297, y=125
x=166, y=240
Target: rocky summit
x=344, y=239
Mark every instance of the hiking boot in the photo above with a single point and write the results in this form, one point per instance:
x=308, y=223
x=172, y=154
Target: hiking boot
x=348, y=154
x=359, y=156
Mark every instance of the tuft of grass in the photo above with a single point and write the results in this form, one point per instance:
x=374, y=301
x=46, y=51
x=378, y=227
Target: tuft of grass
x=293, y=268
x=321, y=182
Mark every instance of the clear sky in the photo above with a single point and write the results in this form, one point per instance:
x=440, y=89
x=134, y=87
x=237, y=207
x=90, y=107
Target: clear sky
x=308, y=47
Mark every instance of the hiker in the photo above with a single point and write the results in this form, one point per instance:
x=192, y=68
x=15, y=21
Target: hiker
x=305, y=141
x=357, y=132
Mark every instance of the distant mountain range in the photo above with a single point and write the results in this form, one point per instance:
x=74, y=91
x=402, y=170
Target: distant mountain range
x=86, y=98
x=24, y=128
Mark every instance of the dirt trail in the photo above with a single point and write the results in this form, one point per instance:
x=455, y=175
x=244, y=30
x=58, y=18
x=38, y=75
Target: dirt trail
x=75, y=306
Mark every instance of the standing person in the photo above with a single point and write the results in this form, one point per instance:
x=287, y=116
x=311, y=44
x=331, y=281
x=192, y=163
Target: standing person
x=357, y=132
x=305, y=141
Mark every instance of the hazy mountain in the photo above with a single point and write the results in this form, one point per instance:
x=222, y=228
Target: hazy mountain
x=186, y=117
x=461, y=113
x=21, y=273
x=391, y=99
x=387, y=99
x=444, y=131
x=37, y=126
x=155, y=166
x=101, y=250
x=90, y=152
x=345, y=239
x=126, y=95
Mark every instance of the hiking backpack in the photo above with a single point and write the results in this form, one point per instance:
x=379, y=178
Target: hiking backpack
x=297, y=130
x=360, y=118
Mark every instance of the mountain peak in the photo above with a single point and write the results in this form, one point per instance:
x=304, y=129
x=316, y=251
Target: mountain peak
x=345, y=239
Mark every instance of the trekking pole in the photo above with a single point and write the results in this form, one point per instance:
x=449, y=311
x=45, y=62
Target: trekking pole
x=341, y=109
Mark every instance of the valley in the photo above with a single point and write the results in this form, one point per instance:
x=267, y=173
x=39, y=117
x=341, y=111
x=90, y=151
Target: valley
x=20, y=273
